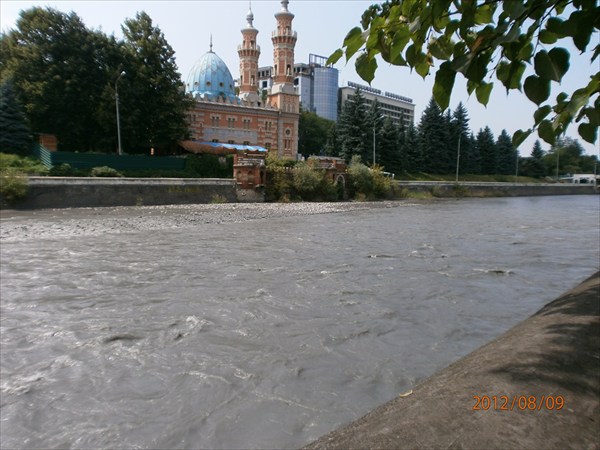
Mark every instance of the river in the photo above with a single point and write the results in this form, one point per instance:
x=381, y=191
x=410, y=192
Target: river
x=230, y=326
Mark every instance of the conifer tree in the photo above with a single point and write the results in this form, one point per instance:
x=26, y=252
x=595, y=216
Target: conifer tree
x=461, y=139
x=506, y=155
x=486, y=146
x=410, y=150
x=353, y=128
x=389, y=155
x=375, y=121
x=534, y=165
x=332, y=145
x=15, y=136
x=434, y=136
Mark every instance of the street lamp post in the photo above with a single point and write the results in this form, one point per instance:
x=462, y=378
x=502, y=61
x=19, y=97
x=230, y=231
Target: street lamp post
x=374, y=123
x=119, y=149
x=458, y=157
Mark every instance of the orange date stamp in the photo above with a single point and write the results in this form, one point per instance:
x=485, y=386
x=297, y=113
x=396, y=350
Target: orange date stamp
x=518, y=402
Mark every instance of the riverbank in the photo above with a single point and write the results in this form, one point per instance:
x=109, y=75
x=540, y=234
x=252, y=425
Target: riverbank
x=79, y=222
x=537, y=387
x=72, y=192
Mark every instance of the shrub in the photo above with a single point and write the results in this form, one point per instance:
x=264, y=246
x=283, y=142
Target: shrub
x=13, y=185
x=24, y=165
x=382, y=185
x=105, y=171
x=361, y=179
x=307, y=181
x=64, y=170
x=279, y=183
x=218, y=198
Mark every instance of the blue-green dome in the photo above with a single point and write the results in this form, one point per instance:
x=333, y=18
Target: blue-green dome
x=210, y=78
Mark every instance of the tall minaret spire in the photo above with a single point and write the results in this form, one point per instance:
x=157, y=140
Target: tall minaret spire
x=249, y=53
x=283, y=95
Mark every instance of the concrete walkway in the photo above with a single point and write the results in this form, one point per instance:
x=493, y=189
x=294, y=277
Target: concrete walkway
x=521, y=379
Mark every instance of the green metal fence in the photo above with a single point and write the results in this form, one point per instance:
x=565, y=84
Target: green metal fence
x=122, y=162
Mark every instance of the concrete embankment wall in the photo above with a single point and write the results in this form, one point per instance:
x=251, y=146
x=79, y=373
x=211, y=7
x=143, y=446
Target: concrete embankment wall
x=480, y=189
x=70, y=192
x=57, y=192
x=537, y=387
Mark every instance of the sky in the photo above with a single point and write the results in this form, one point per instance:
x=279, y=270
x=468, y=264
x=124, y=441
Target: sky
x=321, y=26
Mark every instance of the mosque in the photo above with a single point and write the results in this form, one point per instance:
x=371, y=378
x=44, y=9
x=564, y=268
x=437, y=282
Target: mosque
x=222, y=118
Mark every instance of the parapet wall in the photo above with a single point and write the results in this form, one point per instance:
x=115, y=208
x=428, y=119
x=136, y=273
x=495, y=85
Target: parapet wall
x=481, y=189
x=68, y=192
x=71, y=192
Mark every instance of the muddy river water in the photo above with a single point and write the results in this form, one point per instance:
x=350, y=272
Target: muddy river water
x=260, y=326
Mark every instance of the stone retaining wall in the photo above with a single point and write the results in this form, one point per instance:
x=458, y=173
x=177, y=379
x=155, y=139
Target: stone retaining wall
x=481, y=189
x=57, y=192
x=71, y=192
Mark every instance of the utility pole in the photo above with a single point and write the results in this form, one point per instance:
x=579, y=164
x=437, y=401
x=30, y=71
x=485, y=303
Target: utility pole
x=458, y=157
x=119, y=149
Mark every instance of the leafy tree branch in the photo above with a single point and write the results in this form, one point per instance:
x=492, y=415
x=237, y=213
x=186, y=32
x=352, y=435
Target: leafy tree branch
x=483, y=39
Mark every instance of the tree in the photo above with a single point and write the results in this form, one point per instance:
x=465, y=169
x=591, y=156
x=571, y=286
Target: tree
x=479, y=39
x=486, y=146
x=534, y=165
x=389, y=154
x=434, y=136
x=15, y=136
x=506, y=155
x=353, y=128
x=375, y=121
x=59, y=73
x=332, y=145
x=461, y=135
x=154, y=103
x=312, y=133
x=410, y=150
x=567, y=156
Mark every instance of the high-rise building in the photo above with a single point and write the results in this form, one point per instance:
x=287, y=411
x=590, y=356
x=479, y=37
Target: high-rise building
x=400, y=109
x=316, y=83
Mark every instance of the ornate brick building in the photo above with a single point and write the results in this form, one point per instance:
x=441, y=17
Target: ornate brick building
x=221, y=116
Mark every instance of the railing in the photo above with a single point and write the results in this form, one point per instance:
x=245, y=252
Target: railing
x=122, y=162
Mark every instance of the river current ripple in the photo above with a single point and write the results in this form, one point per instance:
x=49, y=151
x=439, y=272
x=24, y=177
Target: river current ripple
x=195, y=327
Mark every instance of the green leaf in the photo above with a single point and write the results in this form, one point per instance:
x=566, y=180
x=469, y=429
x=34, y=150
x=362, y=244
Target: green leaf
x=401, y=38
x=441, y=48
x=537, y=89
x=520, y=136
x=588, y=132
x=513, y=9
x=546, y=132
x=484, y=13
x=560, y=61
x=365, y=67
x=483, y=92
x=557, y=26
x=422, y=67
x=471, y=86
x=510, y=74
x=353, y=42
x=542, y=113
x=548, y=37
x=444, y=83
x=553, y=65
x=335, y=56
x=412, y=55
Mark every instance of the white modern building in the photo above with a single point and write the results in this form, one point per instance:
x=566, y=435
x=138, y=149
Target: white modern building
x=400, y=109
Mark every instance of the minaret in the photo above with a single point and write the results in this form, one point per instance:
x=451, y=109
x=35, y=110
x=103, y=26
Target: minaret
x=283, y=95
x=249, y=53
